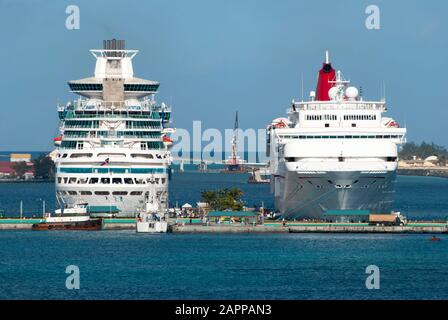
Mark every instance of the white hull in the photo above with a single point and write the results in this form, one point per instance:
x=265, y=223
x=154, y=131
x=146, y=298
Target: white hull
x=311, y=195
x=152, y=227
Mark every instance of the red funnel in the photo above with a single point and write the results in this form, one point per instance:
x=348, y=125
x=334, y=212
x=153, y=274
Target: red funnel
x=326, y=74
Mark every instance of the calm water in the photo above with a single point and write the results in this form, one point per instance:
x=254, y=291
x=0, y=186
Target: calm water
x=417, y=197
x=126, y=265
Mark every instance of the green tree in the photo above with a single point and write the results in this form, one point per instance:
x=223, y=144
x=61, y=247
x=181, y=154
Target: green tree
x=20, y=168
x=43, y=167
x=224, y=199
x=422, y=151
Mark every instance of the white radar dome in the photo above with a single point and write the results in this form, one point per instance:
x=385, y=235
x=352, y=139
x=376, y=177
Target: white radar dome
x=351, y=92
x=332, y=93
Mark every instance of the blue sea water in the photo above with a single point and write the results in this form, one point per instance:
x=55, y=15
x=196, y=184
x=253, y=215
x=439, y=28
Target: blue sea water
x=126, y=265
x=416, y=197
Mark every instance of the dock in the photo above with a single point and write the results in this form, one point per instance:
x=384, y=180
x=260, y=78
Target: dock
x=431, y=228
x=183, y=226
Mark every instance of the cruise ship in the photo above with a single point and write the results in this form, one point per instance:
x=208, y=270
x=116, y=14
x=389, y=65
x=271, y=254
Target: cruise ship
x=112, y=154
x=333, y=154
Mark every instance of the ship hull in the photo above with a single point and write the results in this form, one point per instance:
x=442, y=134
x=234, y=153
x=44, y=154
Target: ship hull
x=312, y=195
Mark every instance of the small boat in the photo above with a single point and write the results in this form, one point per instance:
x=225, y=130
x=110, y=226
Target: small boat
x=434, y=238
x=151, y=221
x=87, y=225
x=259, y=176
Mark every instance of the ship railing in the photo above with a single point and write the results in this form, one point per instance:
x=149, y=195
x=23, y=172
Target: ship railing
x=87, y=105
x=331, y=105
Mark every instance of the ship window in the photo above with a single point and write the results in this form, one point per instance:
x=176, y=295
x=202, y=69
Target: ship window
x=120, y=193
x=142, y=155
x=139, y=181
x=93, y=180
x=64, y=155
x=65, y=180
x=102, y=193
x=85, y=193
x=72, y=180
x=72, y=193
x=81, y=155
x=163, y=180
x=105, y=180
x=62, y=193
x=128, y=181
x=289, y=159
x=136, y=193
x=59, y=180
x=353, y=124
x=116, y=181
x=327, y=125
x=80, y=145
x=82, y=181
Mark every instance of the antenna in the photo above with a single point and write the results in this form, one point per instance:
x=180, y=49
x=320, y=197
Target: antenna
x=302, y=84
x=327, y=57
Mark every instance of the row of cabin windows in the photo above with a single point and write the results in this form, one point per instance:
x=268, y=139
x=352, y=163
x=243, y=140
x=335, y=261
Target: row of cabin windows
x=147, y=115
x=142, y=125
x=82, y=123
x=99, y=193
x=74, y=180
x=340, y=159
x=321, y=117
x=345, y=137
x=147, y=145
x=133, y=155
x=360, y=117
x=118, y=134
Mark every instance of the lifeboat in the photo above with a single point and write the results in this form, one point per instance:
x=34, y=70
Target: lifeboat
x=390, y=123
x=279, y=123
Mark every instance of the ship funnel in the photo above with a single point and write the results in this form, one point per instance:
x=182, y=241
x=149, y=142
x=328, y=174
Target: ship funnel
x=325, y=76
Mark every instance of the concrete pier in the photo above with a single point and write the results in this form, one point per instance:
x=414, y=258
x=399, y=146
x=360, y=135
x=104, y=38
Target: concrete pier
x=268, y=227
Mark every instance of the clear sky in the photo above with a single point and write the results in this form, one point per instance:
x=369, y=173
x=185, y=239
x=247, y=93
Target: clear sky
x=215, y=57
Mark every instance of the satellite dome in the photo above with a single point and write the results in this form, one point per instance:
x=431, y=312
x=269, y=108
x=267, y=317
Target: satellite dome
x=351, y=92
x=332, y=93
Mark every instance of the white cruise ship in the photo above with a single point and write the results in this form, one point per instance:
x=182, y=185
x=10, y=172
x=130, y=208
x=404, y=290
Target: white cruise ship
x=112, y=153
x=333, y=154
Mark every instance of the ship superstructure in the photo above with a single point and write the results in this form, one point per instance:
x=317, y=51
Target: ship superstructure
x=112, y=153
x=333, y=153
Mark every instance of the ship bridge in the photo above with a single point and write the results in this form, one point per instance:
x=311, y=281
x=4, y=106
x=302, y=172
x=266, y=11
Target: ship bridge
x=114, y=76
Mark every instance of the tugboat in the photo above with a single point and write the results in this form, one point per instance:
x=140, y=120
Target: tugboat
x=151, y=221
x=75, y=218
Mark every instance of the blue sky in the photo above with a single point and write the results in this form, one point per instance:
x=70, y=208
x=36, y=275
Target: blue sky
x=215, y=57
